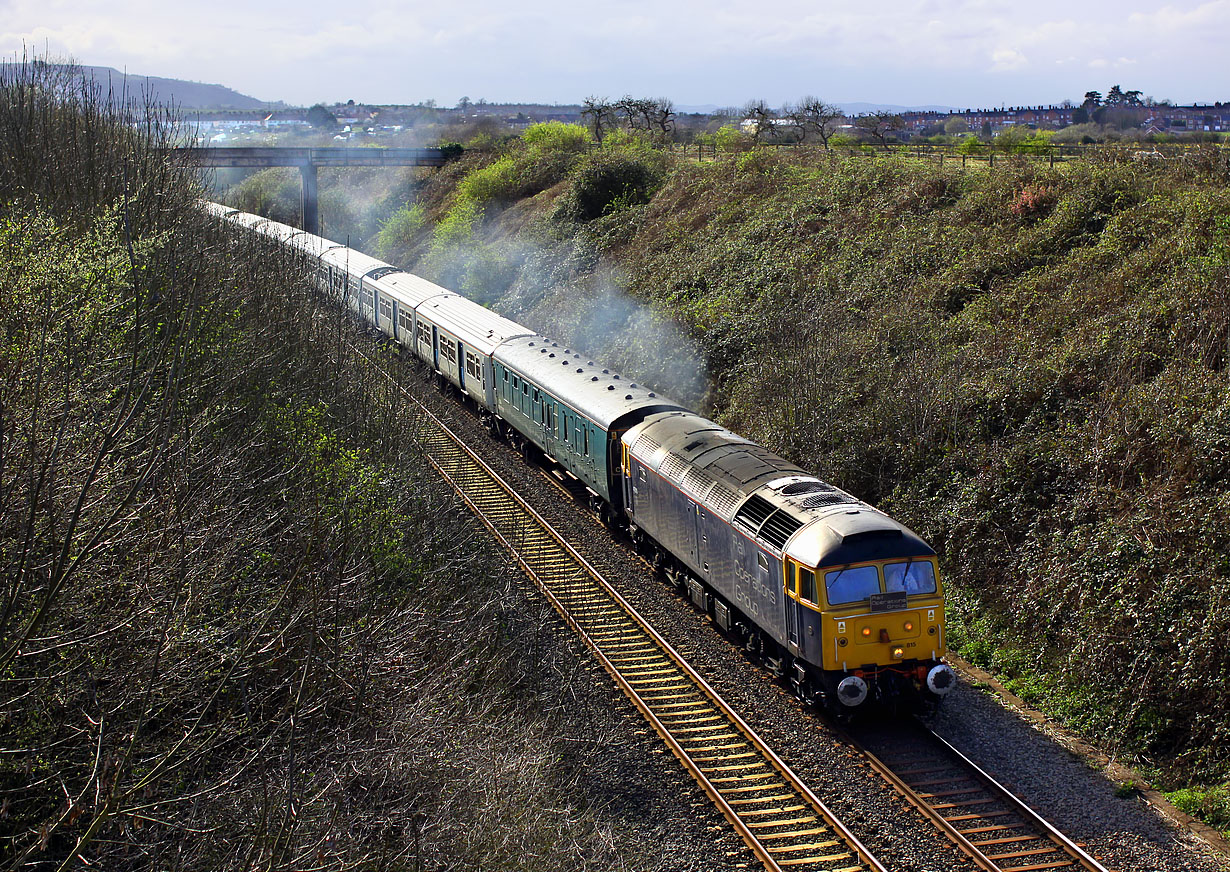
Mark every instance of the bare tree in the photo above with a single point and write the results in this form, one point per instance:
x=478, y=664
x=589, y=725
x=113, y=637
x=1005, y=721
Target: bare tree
x=814, y=115
x=879, y=125
x=662, y=116
x=761, y=119
x=600, y=113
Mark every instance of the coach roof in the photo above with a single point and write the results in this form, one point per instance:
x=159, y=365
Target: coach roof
x=571, y=377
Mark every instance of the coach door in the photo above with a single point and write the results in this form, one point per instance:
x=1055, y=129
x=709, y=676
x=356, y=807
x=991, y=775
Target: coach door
x=435, y=347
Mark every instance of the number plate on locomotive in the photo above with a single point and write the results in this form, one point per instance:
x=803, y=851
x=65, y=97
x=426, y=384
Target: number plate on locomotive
x=887, y=602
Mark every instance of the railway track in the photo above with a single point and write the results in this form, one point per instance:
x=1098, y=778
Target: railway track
x=998, y=831
x=779, y=818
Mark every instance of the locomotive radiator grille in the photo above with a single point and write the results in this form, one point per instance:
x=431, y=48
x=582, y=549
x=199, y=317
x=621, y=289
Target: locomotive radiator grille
x=779, y=818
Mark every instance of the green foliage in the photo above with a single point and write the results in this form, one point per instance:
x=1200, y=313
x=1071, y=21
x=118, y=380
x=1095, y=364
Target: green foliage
x=1211, y=805
x=731, y=139
x=457, y=226
x=399, y=233
x=1019, y=139
x=970, y=145
x=557, y=136
x=608, y=181
x=496, y=181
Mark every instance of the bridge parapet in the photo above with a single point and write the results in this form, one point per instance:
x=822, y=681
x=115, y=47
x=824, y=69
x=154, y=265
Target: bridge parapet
x=308, y=160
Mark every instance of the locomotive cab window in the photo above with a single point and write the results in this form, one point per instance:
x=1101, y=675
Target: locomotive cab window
x=851, y=585
x=912, y=576
x=807, y=584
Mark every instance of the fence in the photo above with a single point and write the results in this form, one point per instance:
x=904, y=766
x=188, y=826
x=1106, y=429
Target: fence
x=942, y=153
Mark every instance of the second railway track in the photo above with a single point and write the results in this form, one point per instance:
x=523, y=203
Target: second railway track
x=998, y=831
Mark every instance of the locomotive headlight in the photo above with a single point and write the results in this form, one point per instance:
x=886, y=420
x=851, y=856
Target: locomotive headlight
x=909, y=625
x=866, y=631
x=898, y=653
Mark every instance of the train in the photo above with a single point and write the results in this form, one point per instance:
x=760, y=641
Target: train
x=830, y=593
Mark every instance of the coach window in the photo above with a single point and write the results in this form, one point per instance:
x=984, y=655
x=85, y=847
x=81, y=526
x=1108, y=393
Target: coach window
x=851, y=585
x=586, y=430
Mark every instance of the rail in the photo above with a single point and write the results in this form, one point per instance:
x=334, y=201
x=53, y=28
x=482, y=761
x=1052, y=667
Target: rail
x=995, y=828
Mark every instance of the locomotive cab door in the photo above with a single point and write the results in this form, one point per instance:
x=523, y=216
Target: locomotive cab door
x=797, y=585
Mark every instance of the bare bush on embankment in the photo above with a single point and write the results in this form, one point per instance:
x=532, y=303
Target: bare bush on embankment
x=242, y=626
x=1026, y=364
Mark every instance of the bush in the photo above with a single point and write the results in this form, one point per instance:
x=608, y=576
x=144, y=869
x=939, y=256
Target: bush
x=1212, y=805
x=970, y=145
x=731, y=139
x=399, y=233
x=557, y=136
x=457, y=226
x=496, y=181
x=609, y=181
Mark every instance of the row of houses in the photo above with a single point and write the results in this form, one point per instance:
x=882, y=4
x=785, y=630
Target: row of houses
x=1154, y=119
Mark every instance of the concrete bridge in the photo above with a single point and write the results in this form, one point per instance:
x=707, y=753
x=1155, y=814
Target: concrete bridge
x=309, y=159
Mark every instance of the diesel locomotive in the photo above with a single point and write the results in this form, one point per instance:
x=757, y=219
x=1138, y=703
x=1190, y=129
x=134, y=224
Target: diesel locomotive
x=834, y=595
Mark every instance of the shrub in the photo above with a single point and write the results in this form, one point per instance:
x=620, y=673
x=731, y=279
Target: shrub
x=608, y=182
x=1211, y=805
x=557, y=136
x=496, y=181
x=970, y=145
x=731, y=139
x=457, y=226
x=397, y=235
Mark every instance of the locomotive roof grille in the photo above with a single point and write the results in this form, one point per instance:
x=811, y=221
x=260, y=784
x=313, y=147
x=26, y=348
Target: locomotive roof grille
x=673, y=467
x=698, y=481
x=806, y=487
x=826, y=500
x=754, y=512
x=646, y=445
x=723, y=498
x=778, y=529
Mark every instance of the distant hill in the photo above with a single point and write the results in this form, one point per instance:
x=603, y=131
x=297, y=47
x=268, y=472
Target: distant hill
x=177, y=92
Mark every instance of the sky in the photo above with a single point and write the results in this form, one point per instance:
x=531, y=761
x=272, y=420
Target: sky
x=956, y=53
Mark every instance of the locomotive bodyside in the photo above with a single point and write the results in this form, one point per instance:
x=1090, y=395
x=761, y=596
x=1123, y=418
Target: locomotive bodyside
x=840, y=598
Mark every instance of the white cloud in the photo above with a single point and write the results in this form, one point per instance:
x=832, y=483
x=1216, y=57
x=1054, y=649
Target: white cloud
x=1008, y=60
x=721, y=51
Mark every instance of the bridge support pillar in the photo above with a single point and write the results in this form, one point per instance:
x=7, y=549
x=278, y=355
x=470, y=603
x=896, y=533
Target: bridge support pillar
x=311, y=209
